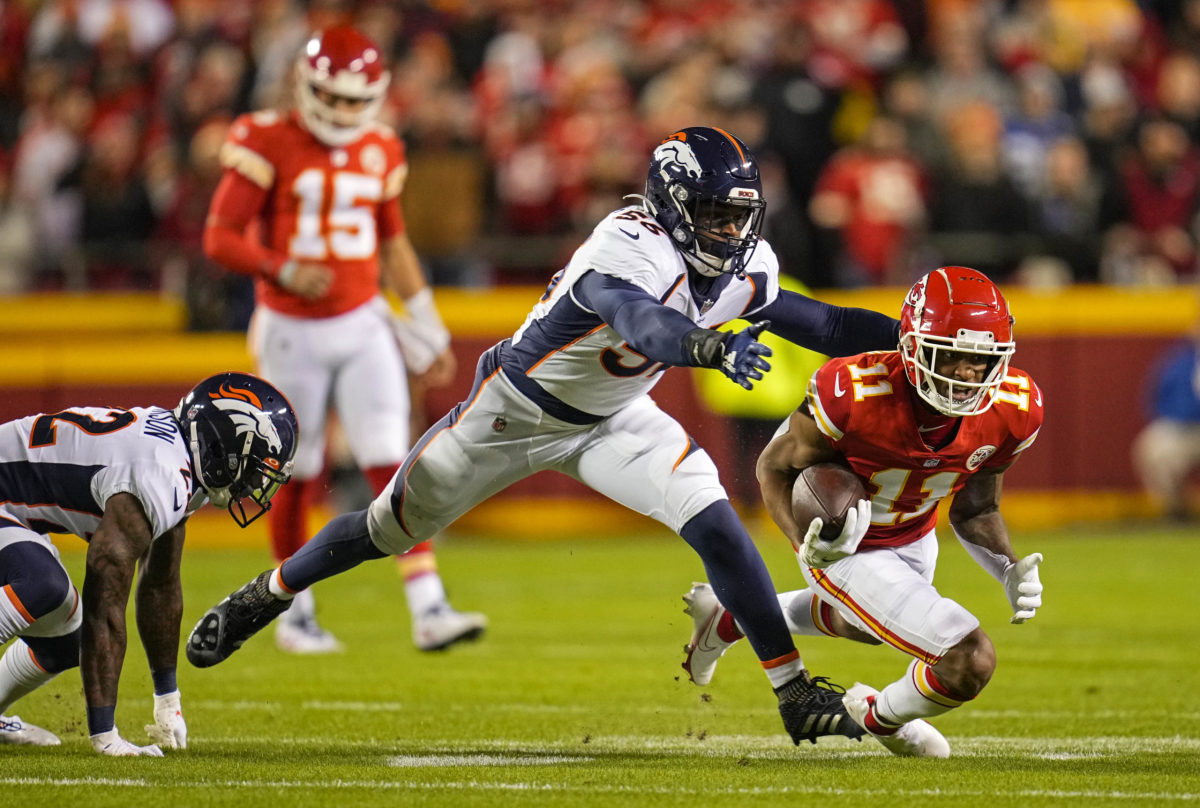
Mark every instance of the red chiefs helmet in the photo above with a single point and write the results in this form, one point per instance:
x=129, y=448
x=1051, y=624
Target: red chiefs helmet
x=955, y=309
x=344, y=63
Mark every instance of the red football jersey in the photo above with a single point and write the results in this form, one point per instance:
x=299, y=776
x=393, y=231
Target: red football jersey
x=865, y=406
x=320, y=204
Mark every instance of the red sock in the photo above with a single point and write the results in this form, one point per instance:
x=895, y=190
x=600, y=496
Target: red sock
x=727, y=628
x=873, y=723
x=287, y=521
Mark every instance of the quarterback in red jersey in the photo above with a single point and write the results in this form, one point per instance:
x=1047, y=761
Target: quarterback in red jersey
x=943, y=416
x=309, y=205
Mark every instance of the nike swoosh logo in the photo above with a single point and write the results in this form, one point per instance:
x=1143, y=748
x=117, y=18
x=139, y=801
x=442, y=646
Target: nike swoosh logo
x=837, y=387
x=634, y=236
x=175, y=494
x=1038, y=400
x=926, y=428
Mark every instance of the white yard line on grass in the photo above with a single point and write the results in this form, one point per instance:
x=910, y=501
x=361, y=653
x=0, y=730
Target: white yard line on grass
x=670, y=791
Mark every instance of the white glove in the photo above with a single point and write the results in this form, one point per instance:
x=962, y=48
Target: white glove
x=1023, y=587
x=816, y=552
x=421, y=333
x=111, y=743
x=168, y=729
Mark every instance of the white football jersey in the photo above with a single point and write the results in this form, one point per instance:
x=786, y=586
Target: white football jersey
x=57, y=470
x=578, y=359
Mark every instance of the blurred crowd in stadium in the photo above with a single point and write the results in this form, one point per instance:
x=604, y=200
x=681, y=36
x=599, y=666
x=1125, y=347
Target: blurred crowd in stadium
x=1042, y=141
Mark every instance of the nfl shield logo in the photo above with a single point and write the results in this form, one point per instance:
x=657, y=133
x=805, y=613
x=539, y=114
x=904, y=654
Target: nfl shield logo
x=708, y=304
x=499, y=423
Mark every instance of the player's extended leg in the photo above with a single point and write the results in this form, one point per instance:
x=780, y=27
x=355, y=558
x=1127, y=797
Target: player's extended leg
x=643, y=459
x=889, y=593
x=40, y=607
x=372, y=397
x=458, y=463
x=436, y=625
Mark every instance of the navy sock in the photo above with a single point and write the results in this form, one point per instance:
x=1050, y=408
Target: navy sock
x=342, y=544
x=739, y=577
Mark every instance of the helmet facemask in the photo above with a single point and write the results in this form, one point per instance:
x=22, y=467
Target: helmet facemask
x=714, y=249
x=922, y=353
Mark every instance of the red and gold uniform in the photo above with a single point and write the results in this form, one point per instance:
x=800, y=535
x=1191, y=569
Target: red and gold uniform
x=309, y=203
x=866, y=408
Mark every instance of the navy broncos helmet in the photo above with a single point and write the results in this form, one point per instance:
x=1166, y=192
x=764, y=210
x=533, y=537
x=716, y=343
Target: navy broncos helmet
x=241, y=435
x=704, y=187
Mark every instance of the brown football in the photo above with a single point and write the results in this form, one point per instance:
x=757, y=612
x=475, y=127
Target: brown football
x=827, y=490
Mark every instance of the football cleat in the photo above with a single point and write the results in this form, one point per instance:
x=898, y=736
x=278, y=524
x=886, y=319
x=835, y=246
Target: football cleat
x=917, y=738
x=705, y=646
x=305, y=637
x=21, y=733
x=441, y=626
x=813, y=707
x=224, y=627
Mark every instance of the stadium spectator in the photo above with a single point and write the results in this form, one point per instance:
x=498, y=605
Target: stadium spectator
x=1160, y=191
x=873, y=194
x=1167, y=450
x=570, y=392
x=945, y=415
x=976, y=213
x=126, y=481
x=309, y=206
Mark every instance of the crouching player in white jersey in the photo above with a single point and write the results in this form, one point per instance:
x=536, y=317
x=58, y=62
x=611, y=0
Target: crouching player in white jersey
x=124, y=480
x=570, y=392
x=943, y=416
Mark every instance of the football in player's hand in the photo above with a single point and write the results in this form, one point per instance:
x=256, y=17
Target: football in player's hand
x=827, y=490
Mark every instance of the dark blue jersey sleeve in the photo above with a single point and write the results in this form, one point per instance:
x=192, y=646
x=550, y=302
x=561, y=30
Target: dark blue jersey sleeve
x=652, y=329
x=828, y=329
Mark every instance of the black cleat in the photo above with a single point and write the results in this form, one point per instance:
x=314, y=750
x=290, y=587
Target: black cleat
x=812, y=708
x=224, y=627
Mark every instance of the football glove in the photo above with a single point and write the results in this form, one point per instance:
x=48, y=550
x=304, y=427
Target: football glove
x=168, y=730
x=817, y=552
x=420, y=331
x=1023, y=587
x=737, y=354
x=111, y=743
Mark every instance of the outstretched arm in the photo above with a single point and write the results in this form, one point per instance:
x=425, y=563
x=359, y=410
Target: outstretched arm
x=828, y=329
x=159, y=602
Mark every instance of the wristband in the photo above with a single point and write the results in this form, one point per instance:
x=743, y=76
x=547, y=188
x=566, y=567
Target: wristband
x=101, y=719
x=424, y=314
x=164, y=681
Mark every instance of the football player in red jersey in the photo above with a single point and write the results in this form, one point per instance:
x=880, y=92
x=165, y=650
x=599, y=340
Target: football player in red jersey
x=309, y=206
x=943, y=416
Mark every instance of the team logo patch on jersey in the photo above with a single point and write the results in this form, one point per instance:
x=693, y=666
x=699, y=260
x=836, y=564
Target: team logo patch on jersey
x=373, y=160
x=979, y=455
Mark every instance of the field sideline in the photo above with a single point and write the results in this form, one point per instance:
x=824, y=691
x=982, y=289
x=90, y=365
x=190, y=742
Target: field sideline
x=575, y=697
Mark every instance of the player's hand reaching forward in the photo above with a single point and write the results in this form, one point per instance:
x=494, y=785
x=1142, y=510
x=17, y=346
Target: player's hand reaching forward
x=169, y=729
x=742, y=360
x=305, y=279
x=1023, y=587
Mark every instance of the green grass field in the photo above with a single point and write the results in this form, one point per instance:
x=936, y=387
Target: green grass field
x=575, y=696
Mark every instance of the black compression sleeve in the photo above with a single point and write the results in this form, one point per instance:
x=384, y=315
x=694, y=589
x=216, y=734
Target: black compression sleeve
x=827, y=329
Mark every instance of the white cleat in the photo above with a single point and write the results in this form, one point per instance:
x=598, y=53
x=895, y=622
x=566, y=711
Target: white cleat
x=917, y=738
x=705, y=647
x=305, y=637
x=15, y=731
x=441, y=626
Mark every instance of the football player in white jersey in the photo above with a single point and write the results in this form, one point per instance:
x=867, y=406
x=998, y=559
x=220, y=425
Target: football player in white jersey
x=125, y=481
x=569, y=391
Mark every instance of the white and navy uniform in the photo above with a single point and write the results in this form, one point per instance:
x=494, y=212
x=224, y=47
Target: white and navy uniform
x=58, y=470
x=568, y=393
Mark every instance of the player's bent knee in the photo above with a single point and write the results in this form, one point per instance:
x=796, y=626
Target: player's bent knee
x=967, y=667
x=56, y=654
x=385, y=530
x=36, y=576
